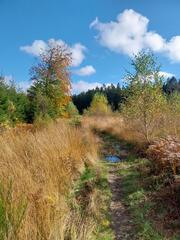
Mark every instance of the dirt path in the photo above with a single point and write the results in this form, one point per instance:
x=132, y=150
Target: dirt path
x=121, y=221
x=122, y=224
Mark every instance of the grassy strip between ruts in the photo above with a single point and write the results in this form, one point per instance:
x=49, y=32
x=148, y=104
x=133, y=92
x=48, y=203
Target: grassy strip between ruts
x=138, y=198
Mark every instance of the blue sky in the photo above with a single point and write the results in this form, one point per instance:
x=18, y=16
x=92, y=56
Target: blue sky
x=102, y=34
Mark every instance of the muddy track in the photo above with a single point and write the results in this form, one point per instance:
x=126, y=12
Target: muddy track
x=121, y=220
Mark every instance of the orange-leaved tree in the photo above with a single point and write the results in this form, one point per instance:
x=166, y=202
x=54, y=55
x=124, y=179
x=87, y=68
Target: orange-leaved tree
x=50, y=91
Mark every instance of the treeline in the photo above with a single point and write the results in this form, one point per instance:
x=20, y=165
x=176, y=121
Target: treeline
x=44, y=99
x=117, y=95
x=114, y=93
x=49, y=96
x=172, y=85
x=13, y=103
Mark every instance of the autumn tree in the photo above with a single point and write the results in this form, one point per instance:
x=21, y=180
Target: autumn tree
x=50, y=90
x=145, y=104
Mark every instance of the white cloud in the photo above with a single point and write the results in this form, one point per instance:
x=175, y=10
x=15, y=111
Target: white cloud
x=94, y=23
x=85, y=71
x=166, y=74
x=129, y=34
x=124, y=35
x=78, y=56
x=154, y=42
x=82, y=86
x=8, y=79
x=24, y=85
x=173, y=49
x=39, y=46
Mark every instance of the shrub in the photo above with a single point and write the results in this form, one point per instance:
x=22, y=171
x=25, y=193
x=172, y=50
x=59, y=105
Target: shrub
x=72, y=110
x=172, y=115
x=144, y=108
x=166, y=155
x=13, y=104
x=99, y=105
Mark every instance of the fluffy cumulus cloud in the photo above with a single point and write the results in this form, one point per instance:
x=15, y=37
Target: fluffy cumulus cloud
x=129, y=34
x=167, y=74
x=39, y=46
x=173, y=49
x=78, y=55
x=82, y=86
x=85, y=71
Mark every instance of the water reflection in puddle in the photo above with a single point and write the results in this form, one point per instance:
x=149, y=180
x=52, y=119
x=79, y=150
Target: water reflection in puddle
x=112, y=158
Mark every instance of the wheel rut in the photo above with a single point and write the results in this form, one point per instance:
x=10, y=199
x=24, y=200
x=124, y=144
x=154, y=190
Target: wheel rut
x=122, y=224
x=121, y=220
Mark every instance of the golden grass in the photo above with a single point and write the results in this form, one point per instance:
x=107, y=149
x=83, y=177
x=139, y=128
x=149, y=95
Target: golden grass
x=113, y=124
x=37, y=171
x=130, y=130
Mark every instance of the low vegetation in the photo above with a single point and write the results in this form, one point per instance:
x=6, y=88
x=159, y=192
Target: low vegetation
x=153, y=207
x=149, y=193
x=51, y=185
x=38, y=171
x=52, y=182
x=99, y=106
x=148, y=123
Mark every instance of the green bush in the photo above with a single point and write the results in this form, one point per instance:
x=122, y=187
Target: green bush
x=13, y=104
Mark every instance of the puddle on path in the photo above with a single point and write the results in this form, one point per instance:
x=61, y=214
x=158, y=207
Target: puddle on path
x=112, y=158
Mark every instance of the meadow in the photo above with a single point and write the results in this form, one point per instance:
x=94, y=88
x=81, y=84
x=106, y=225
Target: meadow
x=54, y=182
x=38, y=172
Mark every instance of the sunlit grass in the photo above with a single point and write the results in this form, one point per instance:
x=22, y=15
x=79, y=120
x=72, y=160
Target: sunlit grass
x=42, y=168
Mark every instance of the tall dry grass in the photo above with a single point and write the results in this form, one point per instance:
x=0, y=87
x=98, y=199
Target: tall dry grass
x=131, y=129
x=37, y=172
x=113, y=124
